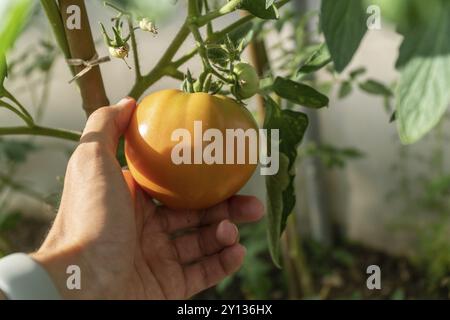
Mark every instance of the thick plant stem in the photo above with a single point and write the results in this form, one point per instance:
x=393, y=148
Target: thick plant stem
x=147, y=81
x=298, y=272
x=54, y=17
x=81, y=44
x=173, y=48
x=297, y=269
x=42, y=131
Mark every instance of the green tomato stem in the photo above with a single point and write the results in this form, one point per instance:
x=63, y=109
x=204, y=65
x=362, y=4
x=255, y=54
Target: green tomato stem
x=228, y=8
x=134, y=48
x=42, y=131
x=29, y=121
x=10, y=96
x=113, y=6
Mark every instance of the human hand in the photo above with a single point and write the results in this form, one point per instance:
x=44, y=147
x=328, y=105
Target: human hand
x=126, y=246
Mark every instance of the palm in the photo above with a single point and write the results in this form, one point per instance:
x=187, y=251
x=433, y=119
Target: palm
x=181, y=253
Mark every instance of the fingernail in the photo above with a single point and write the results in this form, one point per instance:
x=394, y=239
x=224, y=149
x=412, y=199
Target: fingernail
x=125, y=101
x=233, y=228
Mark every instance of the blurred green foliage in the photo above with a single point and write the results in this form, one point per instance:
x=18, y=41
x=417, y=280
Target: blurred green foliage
x=155, y=10
x=423, y=189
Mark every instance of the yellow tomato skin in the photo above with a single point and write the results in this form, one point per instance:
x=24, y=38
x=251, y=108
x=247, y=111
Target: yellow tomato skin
x=148, y=148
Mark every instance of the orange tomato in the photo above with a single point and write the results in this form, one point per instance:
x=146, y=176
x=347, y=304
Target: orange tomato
x=149, y=145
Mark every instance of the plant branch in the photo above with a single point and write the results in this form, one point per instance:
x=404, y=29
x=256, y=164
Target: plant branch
x=26, y=119
x=113, y=6
x=178, y=63
x=165, y=63
x=177, y=74
x=176, y=44
x=209, y=26
x=134, y=47
x=228, y=8
x=42, y=131
x=201, y=48
x=24, y=111
x=219, y=35
x=162, y=66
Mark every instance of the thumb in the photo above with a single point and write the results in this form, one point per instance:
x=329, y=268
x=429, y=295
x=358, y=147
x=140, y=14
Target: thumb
x=106, y=125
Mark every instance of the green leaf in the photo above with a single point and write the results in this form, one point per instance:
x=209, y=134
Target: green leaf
x=218, y=55
x=393, y=117
x=320, y=58
x=3, y=72
x=280, y=187
x=375, y=87
x=357, y=72
x=344, y=25
x=331, y=156
x=423, y=91
x=13, y=14
x=259, y=9
x=345, y=89
x=299, y=93
x=269, y=3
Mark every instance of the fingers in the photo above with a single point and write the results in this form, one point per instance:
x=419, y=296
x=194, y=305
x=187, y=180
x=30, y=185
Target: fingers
x=212, y=270
x=238, y=209
x=206, y=241
x=107, y=124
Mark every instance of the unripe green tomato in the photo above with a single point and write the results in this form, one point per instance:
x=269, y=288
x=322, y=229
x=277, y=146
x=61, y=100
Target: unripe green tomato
x=248, y=81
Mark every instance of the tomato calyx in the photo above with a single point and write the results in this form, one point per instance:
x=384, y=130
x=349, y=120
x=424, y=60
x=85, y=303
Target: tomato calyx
x=118, y=46
x=204, y=83
x=224, y=72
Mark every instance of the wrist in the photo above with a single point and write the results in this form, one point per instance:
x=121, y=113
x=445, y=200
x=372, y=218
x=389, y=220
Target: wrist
x=68, y=272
